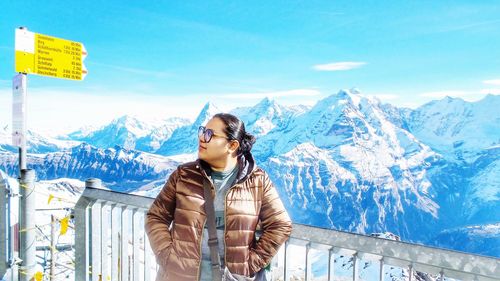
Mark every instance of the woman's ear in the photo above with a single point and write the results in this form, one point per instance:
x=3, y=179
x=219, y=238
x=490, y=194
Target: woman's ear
x=233, y=146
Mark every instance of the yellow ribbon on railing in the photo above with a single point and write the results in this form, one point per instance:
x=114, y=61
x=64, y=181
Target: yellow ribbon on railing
x=64, y=225
x=64, y=222
x=51, y=196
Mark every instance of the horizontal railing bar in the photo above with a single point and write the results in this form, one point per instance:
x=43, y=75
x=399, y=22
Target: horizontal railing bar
x=403, y=251
x=129, y=200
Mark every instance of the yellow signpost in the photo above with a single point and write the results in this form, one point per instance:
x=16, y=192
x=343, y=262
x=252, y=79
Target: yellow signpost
x=49, y=56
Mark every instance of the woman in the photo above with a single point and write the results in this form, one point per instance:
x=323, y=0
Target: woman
x=243, y=197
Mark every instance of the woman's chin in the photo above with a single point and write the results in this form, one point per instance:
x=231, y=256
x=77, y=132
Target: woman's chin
x=201, y=156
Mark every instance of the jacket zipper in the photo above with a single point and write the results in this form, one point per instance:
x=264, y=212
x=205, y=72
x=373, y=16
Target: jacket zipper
x=203, y=229
x=225, y=223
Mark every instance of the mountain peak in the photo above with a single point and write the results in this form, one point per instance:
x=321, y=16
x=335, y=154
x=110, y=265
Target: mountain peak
x=265, y=100
x=490, y=98
x=130, y=123
x=206, y=113
x=343, y=97
x=125, y=119
x=211, y=108
x=267, y=103
x=451, y=99
x=353, y=94
x=444, y=103
x=355, y=91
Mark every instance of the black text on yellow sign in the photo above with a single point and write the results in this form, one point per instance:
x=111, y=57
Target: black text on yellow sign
x=49, y=56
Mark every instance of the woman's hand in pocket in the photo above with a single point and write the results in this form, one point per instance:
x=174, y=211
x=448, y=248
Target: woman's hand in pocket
x=254, y=262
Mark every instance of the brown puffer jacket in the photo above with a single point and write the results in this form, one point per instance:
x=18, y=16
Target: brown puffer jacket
x=174, y=223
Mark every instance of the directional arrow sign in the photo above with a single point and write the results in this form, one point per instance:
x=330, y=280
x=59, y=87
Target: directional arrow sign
x=49, y=56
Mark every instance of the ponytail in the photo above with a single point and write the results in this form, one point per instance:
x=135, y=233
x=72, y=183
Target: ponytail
x=235, y=130
x=246, y=144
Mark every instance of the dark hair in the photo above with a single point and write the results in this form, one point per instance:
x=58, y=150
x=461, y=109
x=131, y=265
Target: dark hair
x=235, y=130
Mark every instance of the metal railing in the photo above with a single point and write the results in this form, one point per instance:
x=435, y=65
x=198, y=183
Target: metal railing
x=110, y=244
x=110, y=241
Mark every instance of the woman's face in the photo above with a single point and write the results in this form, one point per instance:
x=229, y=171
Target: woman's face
x=219, y=147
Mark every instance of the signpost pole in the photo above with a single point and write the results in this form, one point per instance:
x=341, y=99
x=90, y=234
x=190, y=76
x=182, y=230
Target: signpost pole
x=19, y=115
x=26, y=235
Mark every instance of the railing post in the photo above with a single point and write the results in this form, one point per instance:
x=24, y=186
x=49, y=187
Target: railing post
x=83, y=229
x=4, y=227
x=124, y=243
x=331, y=264
x=410, y=272
x=27, y=235
x=381, y=276
x=286, y=266
x=308, y=270
x=95, y=213
x=105, y=237
x=148, y=253
x=355, y=267
x=115, y=243
x=136, y=229
x=53, y=234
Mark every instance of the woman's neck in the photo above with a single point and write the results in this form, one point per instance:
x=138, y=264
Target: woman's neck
x=227, y=164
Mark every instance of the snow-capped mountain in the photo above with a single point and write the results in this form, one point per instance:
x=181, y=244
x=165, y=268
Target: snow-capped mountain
x=344, y=164
x=458, y=129
x=159, y=134
x=129, y=132
x=469, y=194
x=123, y=131
x=266, y=115
x=483, y=194
x=484, y=239
x=185, y=139
x=123, y=170
x=36, y=143
x=81, y=133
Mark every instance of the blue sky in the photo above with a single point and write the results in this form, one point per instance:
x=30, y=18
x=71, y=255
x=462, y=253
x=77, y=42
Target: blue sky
x=168, y=58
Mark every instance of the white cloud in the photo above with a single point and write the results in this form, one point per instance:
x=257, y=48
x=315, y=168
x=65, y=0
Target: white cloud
x=338, y=66
x=275, y=94
x=492, y=82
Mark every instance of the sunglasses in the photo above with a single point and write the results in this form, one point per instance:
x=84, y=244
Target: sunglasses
x=207, y=134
